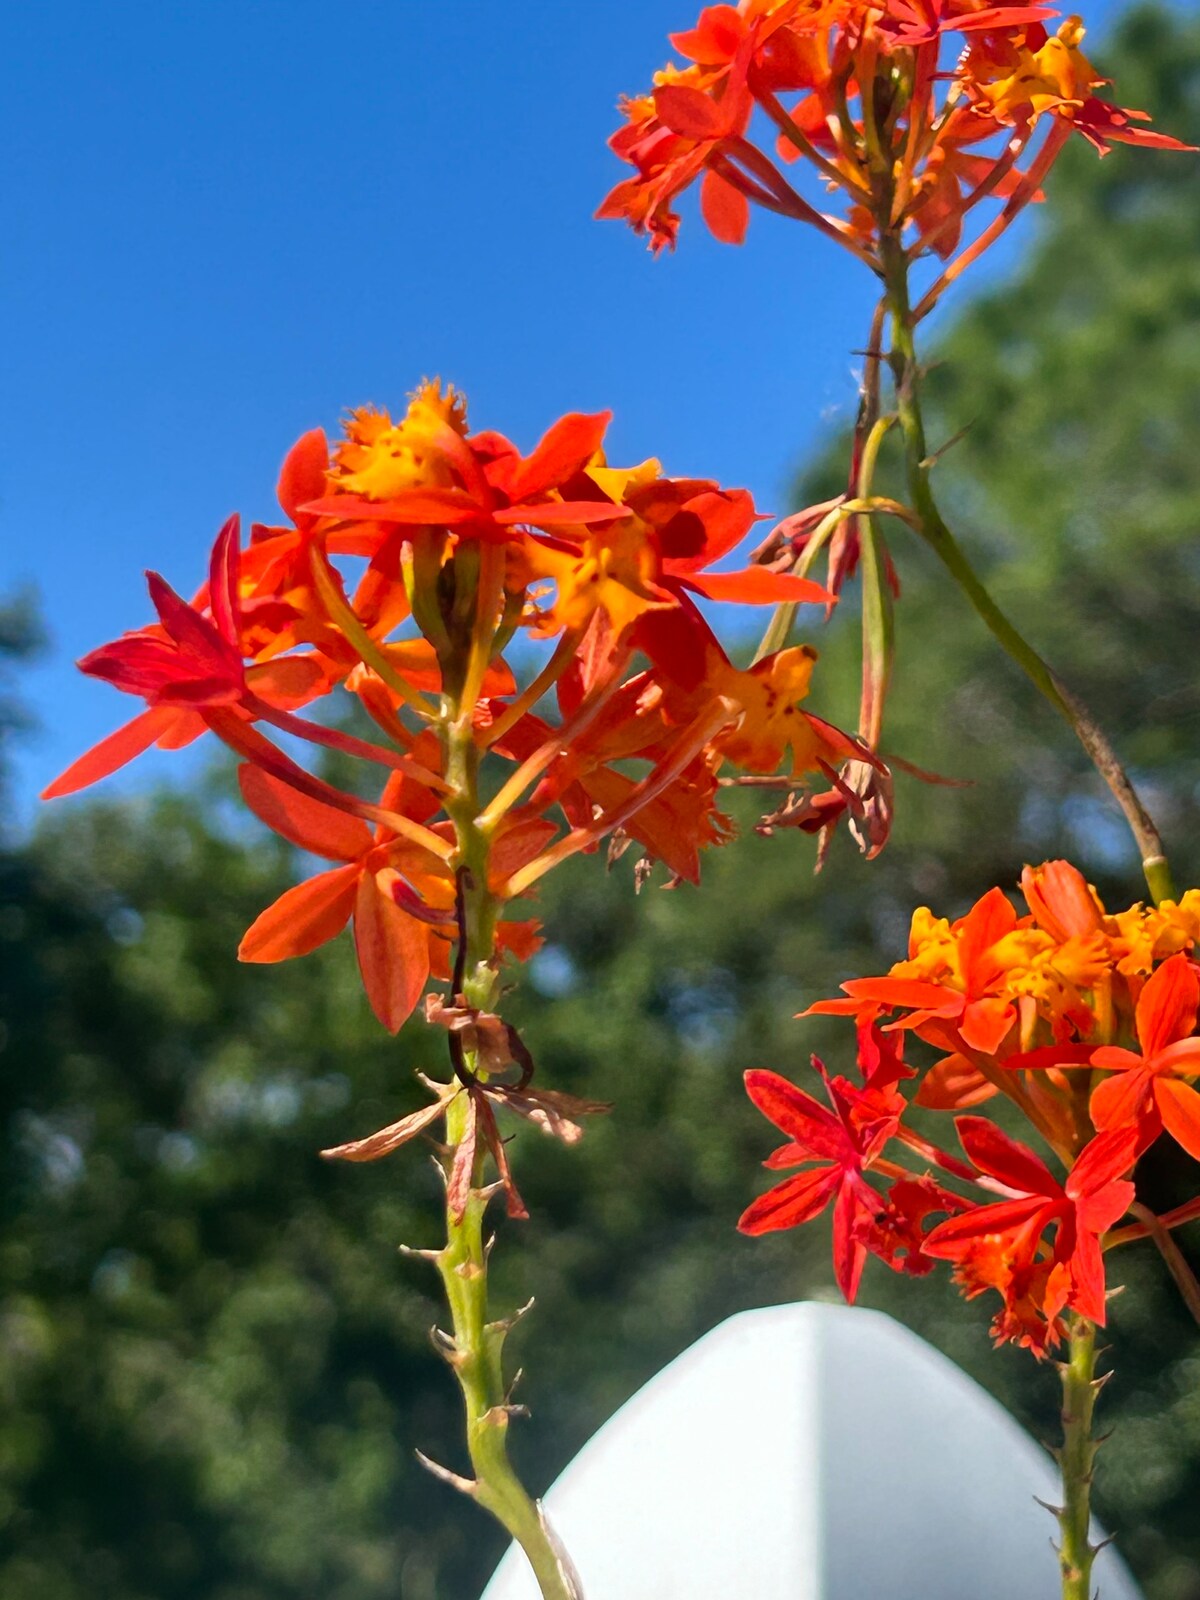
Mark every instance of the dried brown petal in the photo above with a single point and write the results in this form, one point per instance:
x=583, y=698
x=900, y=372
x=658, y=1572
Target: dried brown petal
x=551, y=1110
x=516, y=1206
x=387, y=1139
x=494, y=1044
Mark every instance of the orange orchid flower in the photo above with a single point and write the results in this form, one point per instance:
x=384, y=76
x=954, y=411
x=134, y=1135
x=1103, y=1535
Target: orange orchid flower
x=185, y=663
x=425, y=471
x=957, y=973
x=399, y=898
x=1146, y=1089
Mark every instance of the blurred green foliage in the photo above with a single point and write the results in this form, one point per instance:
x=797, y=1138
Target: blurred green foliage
x=214, y=1364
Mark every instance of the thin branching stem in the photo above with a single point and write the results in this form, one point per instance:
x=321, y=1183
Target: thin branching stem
x=933, y=529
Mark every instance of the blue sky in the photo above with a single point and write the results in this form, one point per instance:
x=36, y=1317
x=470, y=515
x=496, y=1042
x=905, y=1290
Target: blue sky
x=227, y=223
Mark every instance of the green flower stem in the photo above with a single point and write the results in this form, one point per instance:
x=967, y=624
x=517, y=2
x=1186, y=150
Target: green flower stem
x=476, y=1356
x=474, y=1349
x=932, y=528
x=783, y=617
x=1076, y=1458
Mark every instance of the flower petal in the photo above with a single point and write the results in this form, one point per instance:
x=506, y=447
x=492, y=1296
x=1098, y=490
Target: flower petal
x=115, y=750
x=849, y=1252
x=908, y=992
x=796, y=1113
x=302, y=476
x=688, y=112
x=1087, y=1278
x=444, y=508
x=393, y=1136
x=724, y=208
x=984, y=1023
x=1166, y=1008
x=393, y=954
x=223, y=570
x=1061, y=899
x=560, y=513
x=288, y=681
x=988, y=920
x=564, y=449
x=952, y=1084
x=321, y=829
x=791, y=1202
x=1122, y=1100
x=1103, y=1160
x=1004, y=1159
x=1181, y=1059
x=951, y=1238
x=755, y=586
x=303, y=918
x=1179, y=1106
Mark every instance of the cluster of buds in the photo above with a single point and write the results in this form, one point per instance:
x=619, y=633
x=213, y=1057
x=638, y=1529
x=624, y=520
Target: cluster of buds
x=463, y=546
x=868, y=93
x=1083, y=1021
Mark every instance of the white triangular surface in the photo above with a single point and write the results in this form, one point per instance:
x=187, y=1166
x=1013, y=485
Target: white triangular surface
x=809, y=1452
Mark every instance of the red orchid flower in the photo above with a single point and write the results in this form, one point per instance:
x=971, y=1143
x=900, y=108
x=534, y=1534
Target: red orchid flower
x=185, y=663
x=1145, y=1091
x=657, y=563
x=1096, y=1194
x=898, y=1234
x=843, y=1142
x=672, y=827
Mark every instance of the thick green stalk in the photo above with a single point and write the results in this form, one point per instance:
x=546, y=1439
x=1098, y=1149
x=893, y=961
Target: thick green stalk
x=476, y=1356
x=475, y=1347
x=1076, y=1459
x=933, y=528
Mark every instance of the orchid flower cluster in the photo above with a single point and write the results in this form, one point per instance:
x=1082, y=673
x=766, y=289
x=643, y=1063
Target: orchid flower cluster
x=862, y=91
x=468, y=546
x=1083, y=1022
x=465, y=549
x=418, y=562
